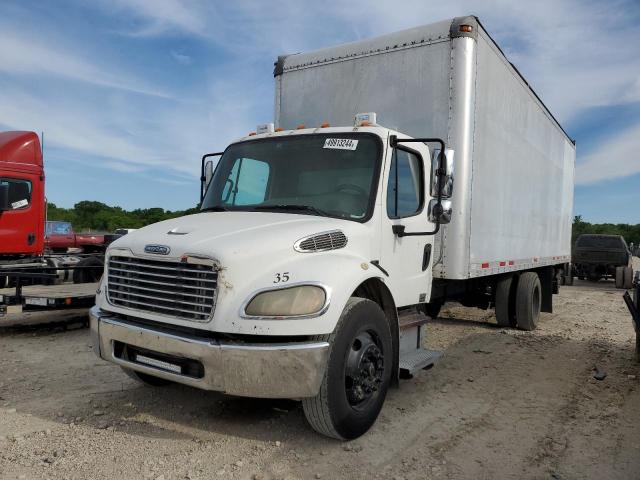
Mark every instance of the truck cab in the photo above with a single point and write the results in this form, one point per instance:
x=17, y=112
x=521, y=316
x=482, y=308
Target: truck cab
x=297, y=234
x=21, y=195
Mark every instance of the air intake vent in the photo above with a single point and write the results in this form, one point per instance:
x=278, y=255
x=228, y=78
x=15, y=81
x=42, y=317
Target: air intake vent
x=321, y=242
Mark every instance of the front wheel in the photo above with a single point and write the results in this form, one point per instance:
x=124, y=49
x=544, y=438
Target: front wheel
x=358, y=373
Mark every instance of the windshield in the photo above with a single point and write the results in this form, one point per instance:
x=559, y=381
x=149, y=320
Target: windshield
x=331, y=175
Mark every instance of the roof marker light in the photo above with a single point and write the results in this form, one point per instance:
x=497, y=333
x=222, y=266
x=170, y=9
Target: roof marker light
x=279, y=129
x=365, y=119
x=300, y=127
x=466, y=28
x=265, y=128
x=251, y=134
x=325, y=125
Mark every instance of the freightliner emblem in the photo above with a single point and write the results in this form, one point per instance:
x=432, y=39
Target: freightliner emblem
x=157, y=249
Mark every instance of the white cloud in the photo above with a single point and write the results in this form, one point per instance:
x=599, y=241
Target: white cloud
x=162, y=15
x=618, y=157
x=26, y=54
x=181, y=58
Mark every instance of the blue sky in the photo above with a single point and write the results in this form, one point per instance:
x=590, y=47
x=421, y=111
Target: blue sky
x=130, y=94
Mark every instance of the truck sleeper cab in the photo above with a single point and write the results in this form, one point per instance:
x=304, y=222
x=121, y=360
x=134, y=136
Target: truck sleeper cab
x=320, y=253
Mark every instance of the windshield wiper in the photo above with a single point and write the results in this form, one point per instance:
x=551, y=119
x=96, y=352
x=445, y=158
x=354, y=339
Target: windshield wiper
x=304, y=208
x=215, y=208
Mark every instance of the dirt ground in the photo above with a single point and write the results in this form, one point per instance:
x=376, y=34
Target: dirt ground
x=500, y=404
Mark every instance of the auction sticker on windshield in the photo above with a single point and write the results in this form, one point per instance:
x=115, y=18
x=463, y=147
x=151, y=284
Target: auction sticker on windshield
x=341, y=143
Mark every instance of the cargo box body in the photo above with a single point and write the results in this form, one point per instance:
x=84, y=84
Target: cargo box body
x=514, y=164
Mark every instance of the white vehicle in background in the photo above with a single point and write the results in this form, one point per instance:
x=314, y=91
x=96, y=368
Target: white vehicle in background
x=321, y=251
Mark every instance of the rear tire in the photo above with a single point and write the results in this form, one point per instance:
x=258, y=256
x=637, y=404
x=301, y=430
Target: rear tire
x=146, y=379
x=90, y=270
x=528, y=301
x=506, y=301
x=627, y=276
x=620, y=277
x=357, y=375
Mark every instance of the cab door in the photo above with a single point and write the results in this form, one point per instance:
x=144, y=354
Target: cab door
x=21, y=225
x=407, y=259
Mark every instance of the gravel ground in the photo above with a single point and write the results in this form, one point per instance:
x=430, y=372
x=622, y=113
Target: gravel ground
x=500, y=404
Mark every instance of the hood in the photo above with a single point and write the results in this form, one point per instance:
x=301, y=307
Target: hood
x=223, y=234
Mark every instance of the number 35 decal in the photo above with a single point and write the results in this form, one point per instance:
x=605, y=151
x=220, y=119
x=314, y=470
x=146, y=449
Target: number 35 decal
x=281, y=277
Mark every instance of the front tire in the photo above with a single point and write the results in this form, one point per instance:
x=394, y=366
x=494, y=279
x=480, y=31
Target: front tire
x=528, y=301
x=358, y=373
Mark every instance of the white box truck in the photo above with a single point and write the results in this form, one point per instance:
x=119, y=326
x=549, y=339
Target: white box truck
x=324, y=244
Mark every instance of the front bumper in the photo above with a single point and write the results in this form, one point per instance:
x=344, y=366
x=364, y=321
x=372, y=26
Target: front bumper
x=266, y=370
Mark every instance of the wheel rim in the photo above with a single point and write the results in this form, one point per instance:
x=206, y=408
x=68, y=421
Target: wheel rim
x=364, y=370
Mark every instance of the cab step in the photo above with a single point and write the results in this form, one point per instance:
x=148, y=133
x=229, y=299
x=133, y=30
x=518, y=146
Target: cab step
x=413, y=356
x=418, y=359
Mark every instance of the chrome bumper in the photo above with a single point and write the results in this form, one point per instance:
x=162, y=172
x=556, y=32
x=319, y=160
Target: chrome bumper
x=285, y=370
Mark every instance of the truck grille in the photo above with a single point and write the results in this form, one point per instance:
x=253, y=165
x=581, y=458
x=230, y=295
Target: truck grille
x=177, y=289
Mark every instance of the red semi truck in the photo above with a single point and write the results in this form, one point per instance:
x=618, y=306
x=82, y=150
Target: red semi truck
x=24, y=256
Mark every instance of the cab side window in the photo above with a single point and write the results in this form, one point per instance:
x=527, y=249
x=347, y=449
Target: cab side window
x=405, y=190
x=19, y=192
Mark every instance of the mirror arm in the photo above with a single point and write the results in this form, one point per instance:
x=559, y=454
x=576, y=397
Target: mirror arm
x=441, y=172
x=202, y=176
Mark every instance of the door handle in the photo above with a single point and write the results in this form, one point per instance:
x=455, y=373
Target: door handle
x=31, y=238
x=426, y=256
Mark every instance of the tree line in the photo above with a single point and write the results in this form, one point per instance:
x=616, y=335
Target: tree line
x=631, y=233
x=99, y=217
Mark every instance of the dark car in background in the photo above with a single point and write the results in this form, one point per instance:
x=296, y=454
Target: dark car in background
x=600, y=256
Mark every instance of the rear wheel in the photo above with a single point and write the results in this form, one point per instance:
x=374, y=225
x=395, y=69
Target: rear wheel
x=358, y=373
x=528, y=301
x=627, y=276
x=88, y=270
x=506, y=301
x=620, y=277
x=146, y=379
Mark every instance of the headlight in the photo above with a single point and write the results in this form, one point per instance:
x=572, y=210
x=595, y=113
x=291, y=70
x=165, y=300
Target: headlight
x=287, y=302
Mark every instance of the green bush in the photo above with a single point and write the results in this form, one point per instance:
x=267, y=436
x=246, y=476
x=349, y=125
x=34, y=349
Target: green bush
x=98, y=217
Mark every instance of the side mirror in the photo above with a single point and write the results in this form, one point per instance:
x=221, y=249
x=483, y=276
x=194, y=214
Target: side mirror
x=439, y=213
x=208, y=173
x=447, y=186
x=4, y=197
